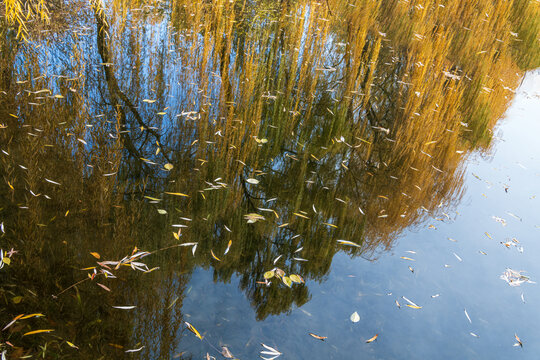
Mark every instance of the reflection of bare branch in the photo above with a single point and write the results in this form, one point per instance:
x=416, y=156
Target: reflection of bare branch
x=115, y=91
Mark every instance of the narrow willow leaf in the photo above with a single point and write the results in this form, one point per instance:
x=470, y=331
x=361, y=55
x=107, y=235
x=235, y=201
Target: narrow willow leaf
x=176, y=194
x=193, y=330
x=318, y=337
x=372, y=339
x=38, y=332
x=214, y=256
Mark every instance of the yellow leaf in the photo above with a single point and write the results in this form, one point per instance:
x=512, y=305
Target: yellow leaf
x=296, y=278
x=17, y=299
x=32, y=315
x=214, y=256
x=193, y=330
x=72, y=345
x=300, y=215
x=287, y=281
x=269, y=274
x=152, y=198
x=176, y=236
x=6, y=260
x=177, y=194
x=414, y=306
x=95, y=254
x=38, y=332
x=168, y=166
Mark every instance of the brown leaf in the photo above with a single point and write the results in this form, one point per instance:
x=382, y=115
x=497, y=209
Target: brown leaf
x=318, y=337
x=372, y=339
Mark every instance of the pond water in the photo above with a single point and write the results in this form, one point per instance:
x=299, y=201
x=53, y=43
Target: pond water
x=333, y=180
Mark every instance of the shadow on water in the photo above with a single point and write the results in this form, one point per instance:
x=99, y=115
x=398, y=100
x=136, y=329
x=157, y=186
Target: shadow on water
x=140, y=126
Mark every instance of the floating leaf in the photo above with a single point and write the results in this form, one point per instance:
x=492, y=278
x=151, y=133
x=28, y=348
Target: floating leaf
x=152, y=198
x=149, y=101
x=96, y=255
x=38, y=332
x=72, y=345
x=103, y=287
x=287, y=281
x=269, y=274
x=253, y=217
x=372, y=339
x=13, y=321
x=177, y=194
x=279, y=273
x=161, y=211
x=346, y=242
x=296, y=278
x=135, y=350
x=355, y=317
x=214, y=256
x=318, y=337
x=168, y=166
x=519, y=343
x=17, y=299
x=228, y=247
x=252, y=181
x=129, y=307
x=226, y=352
x=6, y=260
x=193, y=330
x=414, y=306
x=32, y=315
x=271, y=350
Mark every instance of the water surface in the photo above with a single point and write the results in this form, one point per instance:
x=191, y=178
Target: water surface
x=176, y=164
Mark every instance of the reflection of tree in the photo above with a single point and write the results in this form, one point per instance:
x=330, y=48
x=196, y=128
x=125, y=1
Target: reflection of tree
x=349, y=122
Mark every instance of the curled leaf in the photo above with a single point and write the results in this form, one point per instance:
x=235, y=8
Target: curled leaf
x=318, y=337
x=372, y=339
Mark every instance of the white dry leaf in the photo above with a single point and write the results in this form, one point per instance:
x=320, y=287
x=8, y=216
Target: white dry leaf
x=515, y=278
x=135, y=350
x=253, y=181
x=355, y=317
